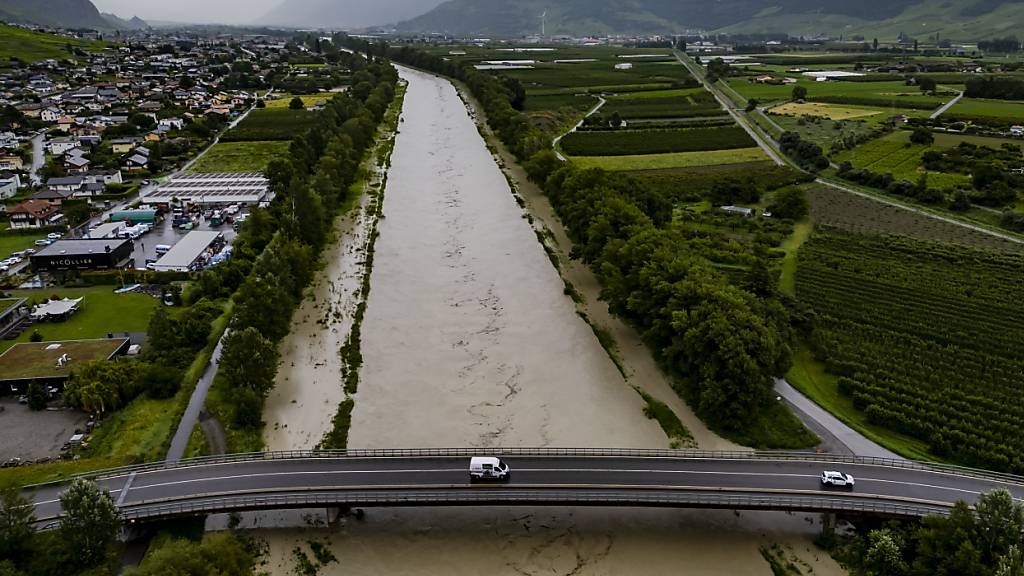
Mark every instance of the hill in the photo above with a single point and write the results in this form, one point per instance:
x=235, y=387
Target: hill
x=60, y=13
x=30, y=46
x=973, y=19
x=350, y=14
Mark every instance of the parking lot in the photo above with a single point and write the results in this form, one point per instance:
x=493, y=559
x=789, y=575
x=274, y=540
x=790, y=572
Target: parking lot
x=165, y=233
x=33, y=435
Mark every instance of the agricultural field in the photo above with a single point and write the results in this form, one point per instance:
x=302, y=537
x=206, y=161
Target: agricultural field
x=270, y=124
x=1003, y=112
x=672, y=161
x=309, y=100
x=943, y=332
x=845, y=211
x=829, y=134
x=635, y=142
x=578, y=103
x=828, y=111
x=240, y=156
x=896, y=97
x=894, y=154
x=31, y=46
x=700, y=103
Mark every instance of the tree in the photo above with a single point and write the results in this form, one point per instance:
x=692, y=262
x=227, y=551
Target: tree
x=616, y=120
x=874, y=44
x=922, y=136
x=1012, y=563
x=961, y=202
x=90, y=524
x=927, y=84
x=885, y=554
x=37, y=396
x=98, y=386
x=751, y=105
x=297, y=104
x=261, y=103
x=36, y=336
x=799, y=93
x=16, y=519
x=1000, y=524
x=790, y=202
x=249, y=361
x=218, y=554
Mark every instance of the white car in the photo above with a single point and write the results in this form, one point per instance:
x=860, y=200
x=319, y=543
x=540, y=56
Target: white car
x=53, y=236
x=4, y=268
x=30, y=251
x=835, y=478
x=43, y=242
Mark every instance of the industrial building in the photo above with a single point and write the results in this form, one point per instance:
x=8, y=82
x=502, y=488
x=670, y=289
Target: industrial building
x=220, y=189
x=107, y=230
x=84, y=254
x=191, y=252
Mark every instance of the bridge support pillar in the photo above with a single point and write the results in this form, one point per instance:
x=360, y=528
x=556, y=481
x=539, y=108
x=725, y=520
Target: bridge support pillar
x=336, y=513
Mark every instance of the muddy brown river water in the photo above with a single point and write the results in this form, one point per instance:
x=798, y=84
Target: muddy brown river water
x=469, y=340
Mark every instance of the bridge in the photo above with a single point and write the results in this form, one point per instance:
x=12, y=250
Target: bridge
x=539, y=477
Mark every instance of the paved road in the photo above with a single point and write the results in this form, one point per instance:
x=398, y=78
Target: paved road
x=195, y=405
x=38, y=158
x=947, y=106
x=663, y=478
x=554, y=143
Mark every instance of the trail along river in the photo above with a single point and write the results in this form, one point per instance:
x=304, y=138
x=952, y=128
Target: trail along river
x=468, y=340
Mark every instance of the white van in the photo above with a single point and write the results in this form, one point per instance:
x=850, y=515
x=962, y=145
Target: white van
x=488, y=468
x=162, y=249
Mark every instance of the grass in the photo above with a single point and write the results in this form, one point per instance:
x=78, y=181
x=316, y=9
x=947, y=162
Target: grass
x=670, y=161
x=136, y=432
x=12, y=244
x=678, y=435
x=948, y=140
x=830, y=111
x=895, y=92
x=240, y=156
x=308, y=99
x=787, y=277
x=775, y=427
x=984, y=107
x=100, y=313
x=31, y=46
x=34, y=360
x=809, y=377
x=55, y=471
x=895, y=155
x=271, y=124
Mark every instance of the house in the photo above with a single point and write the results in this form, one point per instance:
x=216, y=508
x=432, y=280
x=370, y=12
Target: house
x=171, y=124
x=50, y=114
x=76, y=164
x=11, y=162
x=9, y=184
x=65, y=123
x=1017, y=131
x=624, y=66
x=111, y=176
x=34, y=214
x=8, y=140
x=55, y=197
x=152, y=137
x=90, y=189
x=136, y=163
x=764, y=79
x=124, y=145
x=65, y=183
x=60, y=146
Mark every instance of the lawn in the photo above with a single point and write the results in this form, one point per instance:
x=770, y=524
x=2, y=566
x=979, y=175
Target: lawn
x=101, y=312
x=809, y=377
x=669, y=161
x=138, y=431
x=30, y=46
x=240, y=156
x=11, y=244
x=39, y=359
x=830, y=111
x=283, y=100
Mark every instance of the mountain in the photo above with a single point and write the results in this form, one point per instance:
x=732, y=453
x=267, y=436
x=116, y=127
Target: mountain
x=119, y=23
x=955, y=19
x=60, y=13
x=350, y=14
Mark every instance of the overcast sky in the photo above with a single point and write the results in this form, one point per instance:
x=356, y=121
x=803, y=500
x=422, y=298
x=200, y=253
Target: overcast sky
x=226, y=11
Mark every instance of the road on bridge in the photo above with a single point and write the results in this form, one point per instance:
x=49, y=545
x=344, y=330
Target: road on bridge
x=280, y=481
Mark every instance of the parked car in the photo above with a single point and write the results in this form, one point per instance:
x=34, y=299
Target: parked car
x=488, y=468
x=54, y=236
x=836, y=478
x=4, y=268
x=43, y=242
x=30, y=251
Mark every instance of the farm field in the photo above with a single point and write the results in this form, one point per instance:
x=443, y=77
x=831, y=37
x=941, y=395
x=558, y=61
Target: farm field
x=698, y=104
x=852, y=213
x=538, y=102
x=944, y=335
x=1006, y=111
x=100, y=313
x=948, y=140
x=270, y=124
x=829, y=111
x=635, y=142
x=825, y=133
x=283, y=100
x=240, y=156
x=891, y=95
x=895, y=155
x=670, y=161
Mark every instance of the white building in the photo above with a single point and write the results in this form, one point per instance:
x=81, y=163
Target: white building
x=190, y=250
x=246, y=188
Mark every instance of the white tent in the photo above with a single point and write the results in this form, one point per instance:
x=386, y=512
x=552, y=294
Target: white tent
x=56, y=309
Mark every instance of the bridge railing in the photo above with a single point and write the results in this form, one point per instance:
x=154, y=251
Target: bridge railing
x=734, y=501
x=825, y=459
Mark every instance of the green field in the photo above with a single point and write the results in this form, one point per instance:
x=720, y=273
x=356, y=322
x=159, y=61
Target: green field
x=896, y=94
x=270, y=124
x=696, y=104
x=635, y=142
x=11, y=244
x=100, y=313
x=30, y=46
x=37, y=359
x=895, y=155
x=283, y=100
x=240, y=156
x=670, y=161
x=1003, y=109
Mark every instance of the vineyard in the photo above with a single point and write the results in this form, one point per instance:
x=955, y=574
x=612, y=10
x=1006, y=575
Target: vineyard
x=694, y=105
x=927, y=339
x=629, y=142
x=270, y=124
x=894, y=155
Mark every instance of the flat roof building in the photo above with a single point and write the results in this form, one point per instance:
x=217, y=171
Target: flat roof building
x=84, y=254
x=107, y=230
x=248, y=188
x=191, y=250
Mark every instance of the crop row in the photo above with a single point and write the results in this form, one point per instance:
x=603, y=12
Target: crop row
x=628, y=142
x=926, y=338
x=271, y=124
x=904, y=102
x=701, y=104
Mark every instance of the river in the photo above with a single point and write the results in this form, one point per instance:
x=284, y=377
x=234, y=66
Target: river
x=469, y=340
